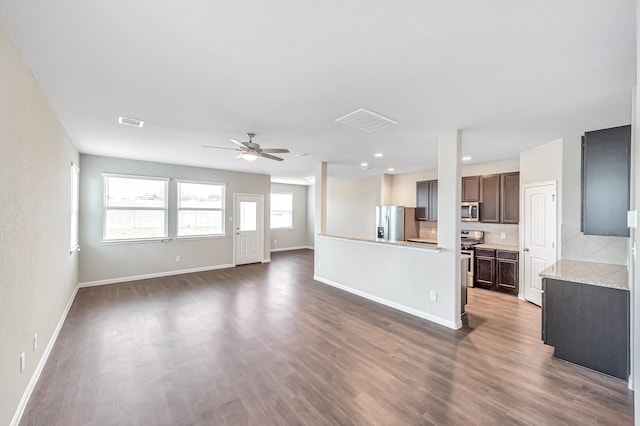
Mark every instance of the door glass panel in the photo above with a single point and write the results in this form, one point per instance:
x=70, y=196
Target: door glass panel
x=248, y=216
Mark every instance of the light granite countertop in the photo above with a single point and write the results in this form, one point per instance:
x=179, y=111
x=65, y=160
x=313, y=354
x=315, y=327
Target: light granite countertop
x=498, y=247
x=600, y=274
x=425, y=246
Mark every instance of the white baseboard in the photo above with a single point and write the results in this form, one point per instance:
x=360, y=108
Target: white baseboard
x=266, y=261
x=154, y=275
x=291, y=248
x=43, y=360
x=433, y=318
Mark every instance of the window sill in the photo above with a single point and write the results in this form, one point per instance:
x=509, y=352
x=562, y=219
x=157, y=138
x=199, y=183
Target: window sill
x=201, y=237
x=136, y=241
x=286, y=228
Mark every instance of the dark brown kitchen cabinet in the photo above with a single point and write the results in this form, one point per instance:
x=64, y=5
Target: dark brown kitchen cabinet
x=496, y=270
x=507, y=271
x=500, y=198
x=485, y=264
x=471, y=188
x=510, y=197
x=490, y=199
x=588, y=325
x=427, y=200
x=605, y=181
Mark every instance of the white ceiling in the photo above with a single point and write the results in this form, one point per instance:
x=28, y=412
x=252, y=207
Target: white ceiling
x=510, y=74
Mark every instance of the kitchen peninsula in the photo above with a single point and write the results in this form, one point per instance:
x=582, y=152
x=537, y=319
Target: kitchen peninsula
x=408, y=276
x=585, y=315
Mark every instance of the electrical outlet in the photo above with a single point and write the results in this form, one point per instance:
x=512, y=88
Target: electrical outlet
x=178, y=259
x=503, y=235
x=433, y=295
x=35, y=341
x=275, y=242
x=320, y=265
x=433, y=230
x=22, y=362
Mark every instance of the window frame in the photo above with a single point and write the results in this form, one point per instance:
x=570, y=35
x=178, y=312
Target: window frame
x=223, y=210
x=74, y=232
x=105, y=208
x=288, y=227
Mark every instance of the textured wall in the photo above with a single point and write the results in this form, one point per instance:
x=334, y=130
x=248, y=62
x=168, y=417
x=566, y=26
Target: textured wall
x=297, y=235
x=37, y=272
x=100, y=262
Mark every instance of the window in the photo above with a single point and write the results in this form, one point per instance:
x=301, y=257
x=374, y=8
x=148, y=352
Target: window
x=200, y=209
x=73, y=240
x=135, y=207
x=281, y=210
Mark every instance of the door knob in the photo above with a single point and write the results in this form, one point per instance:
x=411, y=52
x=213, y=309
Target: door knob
x=526, y=249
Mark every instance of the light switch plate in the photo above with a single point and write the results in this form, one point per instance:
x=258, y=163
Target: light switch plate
x=632, y=219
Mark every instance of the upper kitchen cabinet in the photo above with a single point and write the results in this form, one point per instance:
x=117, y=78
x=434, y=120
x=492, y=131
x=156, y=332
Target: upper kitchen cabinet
x=427, y=200
x=510, y=197
x=500, y=198
x=471, y=188
x=490, y=199
x=605, y=181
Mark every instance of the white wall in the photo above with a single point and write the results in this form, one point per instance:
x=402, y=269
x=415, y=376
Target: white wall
x=38, y=275
x=311, y=209
x=351, y=206
x=296, y=236
x=101, y=263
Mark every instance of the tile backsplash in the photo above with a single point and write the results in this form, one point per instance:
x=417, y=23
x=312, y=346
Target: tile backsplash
x=492, y=231
x=593, y=248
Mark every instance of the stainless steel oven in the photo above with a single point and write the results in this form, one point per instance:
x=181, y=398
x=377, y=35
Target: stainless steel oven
x=470, y=212
x=467, y=240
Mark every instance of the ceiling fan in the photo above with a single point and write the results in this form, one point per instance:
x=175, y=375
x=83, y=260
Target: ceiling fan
x=250, y=150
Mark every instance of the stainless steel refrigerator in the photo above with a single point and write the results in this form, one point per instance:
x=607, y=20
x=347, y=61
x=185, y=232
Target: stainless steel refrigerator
x=396, y=223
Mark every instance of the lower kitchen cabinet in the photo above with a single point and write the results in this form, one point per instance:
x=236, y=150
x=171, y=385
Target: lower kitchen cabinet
x=588, y=325
x=496, y=269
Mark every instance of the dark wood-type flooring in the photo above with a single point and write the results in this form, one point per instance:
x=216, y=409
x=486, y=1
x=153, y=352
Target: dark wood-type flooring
x=265, y=344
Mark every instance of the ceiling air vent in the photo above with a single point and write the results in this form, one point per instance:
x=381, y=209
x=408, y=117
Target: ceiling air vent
x=128, y=121
x=366, y=120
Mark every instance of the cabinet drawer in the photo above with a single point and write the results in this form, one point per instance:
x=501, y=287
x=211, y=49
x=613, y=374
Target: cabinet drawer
x=485, y=252
x=508, y=255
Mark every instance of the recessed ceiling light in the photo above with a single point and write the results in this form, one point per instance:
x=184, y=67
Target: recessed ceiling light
x=391, y=169
x=128, y=121
x=364, y=164
x=303, y=154
x=377, y=154
x=466, y=158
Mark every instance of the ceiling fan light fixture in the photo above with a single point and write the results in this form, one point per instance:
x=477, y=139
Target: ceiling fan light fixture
x=249, y=156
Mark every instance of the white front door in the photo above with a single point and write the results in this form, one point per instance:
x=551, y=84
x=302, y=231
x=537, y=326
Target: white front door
x=540, y=249
x=248, y=228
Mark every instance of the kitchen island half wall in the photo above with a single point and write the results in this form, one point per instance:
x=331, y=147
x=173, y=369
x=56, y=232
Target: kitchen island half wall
x=405, y=276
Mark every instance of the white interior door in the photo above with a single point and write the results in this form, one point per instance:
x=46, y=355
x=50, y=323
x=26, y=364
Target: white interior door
x=248, y=228
x=540, y=224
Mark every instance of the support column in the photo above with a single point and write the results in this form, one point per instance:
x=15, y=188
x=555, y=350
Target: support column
x=320, y=218
x=449, y=183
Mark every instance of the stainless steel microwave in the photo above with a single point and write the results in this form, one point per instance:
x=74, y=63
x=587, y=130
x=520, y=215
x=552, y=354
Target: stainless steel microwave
x=470, y=212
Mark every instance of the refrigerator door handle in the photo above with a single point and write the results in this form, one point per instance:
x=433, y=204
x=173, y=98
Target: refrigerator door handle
x=386, y=229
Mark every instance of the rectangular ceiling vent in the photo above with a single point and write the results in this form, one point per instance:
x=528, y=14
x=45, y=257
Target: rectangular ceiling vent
x=128, y=121
x=366, y=120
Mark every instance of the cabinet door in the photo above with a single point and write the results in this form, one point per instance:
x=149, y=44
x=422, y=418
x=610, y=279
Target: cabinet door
x=507, y=276
x=432, y=209
x=490, y=199
x=606, y=175
x=422, y=200
x=471, y=188
x=484, y=275
x=510, y=197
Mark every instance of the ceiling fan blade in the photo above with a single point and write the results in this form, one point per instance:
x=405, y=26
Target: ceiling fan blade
x=242, y=145
x=276, y=150
x=221, y=147
x=270, y=157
